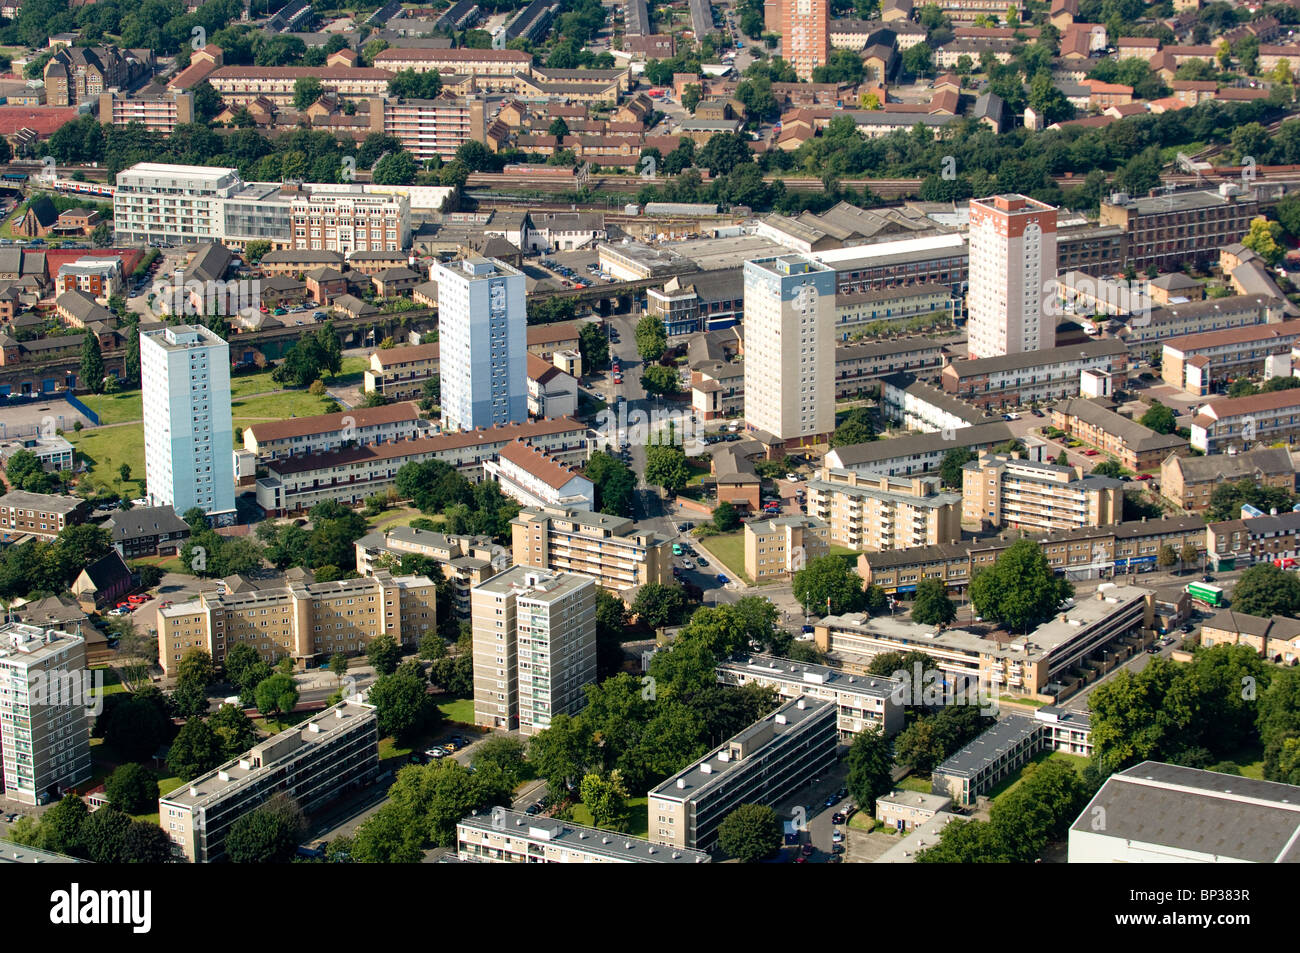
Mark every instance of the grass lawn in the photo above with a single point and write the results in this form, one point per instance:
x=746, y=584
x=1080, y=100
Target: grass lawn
x=915, y=783
x=390, y=750
x=836, y=550
x=399, y=517
x=273, y=726
x=289, y=403
x=165, y=563
x=1250, y=760
x=1009, y=782
x=698, y=473
x=459, y=710
x=862, y=821
x=112, y=681
x=116, y=408
x=105, y=449
x=638, y=814
x=730, y=549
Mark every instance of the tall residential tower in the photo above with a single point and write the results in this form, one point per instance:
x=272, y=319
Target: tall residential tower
x=1012, y=276
x=534, y=647
x=483, y=341
x=790, y=348
x=805, y=35
x=188, y=435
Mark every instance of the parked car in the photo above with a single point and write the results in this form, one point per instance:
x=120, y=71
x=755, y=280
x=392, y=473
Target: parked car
x=722, y=580
x=837, y=836
x=837, y=818
x=1090, y=452
x=534, y=809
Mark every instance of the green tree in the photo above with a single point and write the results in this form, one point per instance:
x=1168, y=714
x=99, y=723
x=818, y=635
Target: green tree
x=234, y=731
x=1159, y=418
x=1265, y=239
x=593, y=344
x=384, y=654
x=651, y=338
x=932, y=605
x=856, y=427
x=658, y=605
x=1108, y=468
x=660, y=380
x=950, y=468
x=195, y=750
x=132, y=788
x=828, y=584
x=276, y=695
x=339, y=665
x=725, y=517
x=1167, y=557
x=403, y=706
x=1020, y=589
x=269, y=834
x=396, y=168
x=605, y=796
x=750, y=833
x=194, y=675
x=870, y=768
x=558, y=128
x=506, y=754
x=306, y=90
x=666, y=467
x=92, y=363
x=1265, y=590
x=104, y=834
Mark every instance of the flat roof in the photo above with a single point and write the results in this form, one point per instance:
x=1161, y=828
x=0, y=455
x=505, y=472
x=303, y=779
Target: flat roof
x=566, y=834
x=711, y=769
x=212, y=787
x=177, y=171
x=546, y=585
x=989, y=746
x=941, y=245
x=807, y=673
x=1223, y=815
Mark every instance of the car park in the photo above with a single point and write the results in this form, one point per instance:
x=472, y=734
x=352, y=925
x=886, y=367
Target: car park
x=830, y=801
x=837, y=836
x=687, y=564
x=435, y=753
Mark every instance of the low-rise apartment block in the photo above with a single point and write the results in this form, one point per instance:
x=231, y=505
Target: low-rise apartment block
x=863, y=702
x=779, y=547
x=1221, y=818
x=350, y=475
x=868, y=511
x=1013, y=379
x=315, y=762
x=921, y=453
x=1271, y=537
x=44, y=700
x=158, y=109
x=1087, y=553
x=299, y=620
x=1145, y=334
x=430, y=127
x=1199, y=362
x=610, y=549
x=97, y=277
x=1007, y=746
x=918, y=405
x=1135, y=446
x=465, y=560
x=322, y=433
x=1002, y=490
x=1191, y=481
x=1276, y=638
x=1053, y=660
x=905, y=811
x=534, y=479
x=761, y=765
x=43, y=515
x=502, y=836
x=534, y=647
x=859, y=310
x=858, y=367
x=1243, y=423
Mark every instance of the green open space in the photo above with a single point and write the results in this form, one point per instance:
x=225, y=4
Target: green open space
x=459, y=710
x=730, y=550
x=104, y=450
x=915, y=782
x=1010, y=781
x=279, y=406
x=638, y=814
x=115, y=408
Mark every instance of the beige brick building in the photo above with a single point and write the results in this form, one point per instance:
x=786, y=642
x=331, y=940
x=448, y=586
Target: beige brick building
x=299, y=620
x=867, y=511
x=608, y=548
x=777, y=548
x=1003, y=490
x=1191, y=481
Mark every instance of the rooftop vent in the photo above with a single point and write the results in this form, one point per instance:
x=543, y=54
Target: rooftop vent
x=706, y=768
x=224, y=775
x=779, y=719
x=681, y=784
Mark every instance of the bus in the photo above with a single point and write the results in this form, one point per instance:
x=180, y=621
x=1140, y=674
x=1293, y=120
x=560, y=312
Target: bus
x=1205, y=593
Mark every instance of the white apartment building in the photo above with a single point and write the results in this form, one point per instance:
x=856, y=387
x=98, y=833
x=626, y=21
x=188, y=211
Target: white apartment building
x=188, y=434
x=1012, y=275
x=43, y=707
x=180, y=204
x=483, y=342
x=534, y=647
x=790, y=349
x=534, y=479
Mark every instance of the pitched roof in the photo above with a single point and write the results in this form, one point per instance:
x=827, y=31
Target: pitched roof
x=359, y=417
x=1269, y=461
x=1136, y=437
x=143, y=521
x=107, y=570
x=533, y=461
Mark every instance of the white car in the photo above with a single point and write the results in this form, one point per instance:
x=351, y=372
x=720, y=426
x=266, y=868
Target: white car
x=687, y=564
x=792, y=477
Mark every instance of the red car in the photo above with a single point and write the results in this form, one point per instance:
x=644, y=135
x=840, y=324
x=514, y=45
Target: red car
x=1090, y=452
x=125, y=605
x=1144, y=476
